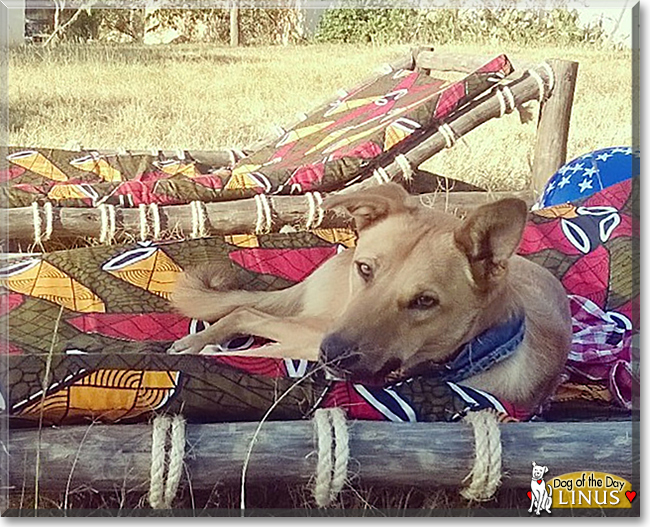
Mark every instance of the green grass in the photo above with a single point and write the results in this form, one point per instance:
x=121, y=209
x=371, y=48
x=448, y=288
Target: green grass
x=206, y=97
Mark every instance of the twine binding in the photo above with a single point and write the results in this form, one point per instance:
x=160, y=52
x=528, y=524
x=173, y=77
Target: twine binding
x=163, y=490
x=486, y=472
x=264, y=220
x=333, y=454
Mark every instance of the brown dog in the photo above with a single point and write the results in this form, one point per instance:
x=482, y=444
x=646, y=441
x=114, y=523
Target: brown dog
x=421, y=291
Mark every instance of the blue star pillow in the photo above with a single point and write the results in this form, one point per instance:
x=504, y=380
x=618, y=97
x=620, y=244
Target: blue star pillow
x=589, y=174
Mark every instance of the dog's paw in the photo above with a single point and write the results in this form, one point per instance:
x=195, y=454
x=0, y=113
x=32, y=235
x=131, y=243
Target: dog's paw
x=189, y=345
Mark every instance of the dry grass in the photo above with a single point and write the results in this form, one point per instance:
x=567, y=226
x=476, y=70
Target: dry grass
x=207, y=98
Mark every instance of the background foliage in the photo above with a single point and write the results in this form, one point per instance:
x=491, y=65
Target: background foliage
x=337, y=25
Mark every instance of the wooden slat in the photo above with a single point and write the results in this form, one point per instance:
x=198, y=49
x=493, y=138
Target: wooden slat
x=226, y=217
x=104, y=457
x=459, y=62
x=553, y=127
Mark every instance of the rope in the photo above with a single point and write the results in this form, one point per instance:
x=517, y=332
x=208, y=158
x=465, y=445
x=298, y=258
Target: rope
x=405, y=166
x=541, y=86
x=502, y=102
x=39, y=235
x=199, y=225
x=486, y=473
x=551, y=75
x=161, y=492
x=107, y=216
x=510, y=98
x=264, y=220
x=341, y=451
x=38, y=223
x=49, y=217
x=448, y=134
x=381, y=175
x=154, y=212
x=157, y=474
x=330, y=474
x=315, y=212
x=144, y=224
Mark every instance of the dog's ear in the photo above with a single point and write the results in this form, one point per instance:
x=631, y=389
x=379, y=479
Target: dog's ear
x=534, y=464
x=370, y=205
x=545, y=470
x=489, y=236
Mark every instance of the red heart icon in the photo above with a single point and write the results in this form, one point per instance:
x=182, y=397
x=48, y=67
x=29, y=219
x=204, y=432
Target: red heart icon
x=530, y=496
x=630, y=495
x=539, y=481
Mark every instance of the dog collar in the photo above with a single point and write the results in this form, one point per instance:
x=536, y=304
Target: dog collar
x=482, y=352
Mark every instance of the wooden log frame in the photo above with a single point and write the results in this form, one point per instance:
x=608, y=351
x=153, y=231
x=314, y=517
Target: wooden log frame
x=106, y=457
x=222, y=218
x=240, y=216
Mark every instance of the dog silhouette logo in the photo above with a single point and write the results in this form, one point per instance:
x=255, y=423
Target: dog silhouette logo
x=540, y=494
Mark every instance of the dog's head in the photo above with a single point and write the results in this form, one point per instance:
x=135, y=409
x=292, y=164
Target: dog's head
x=420, y=281
x=539, y=471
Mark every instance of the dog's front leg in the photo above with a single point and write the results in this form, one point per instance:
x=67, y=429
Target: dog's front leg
x=532, y=501
x=294, y=337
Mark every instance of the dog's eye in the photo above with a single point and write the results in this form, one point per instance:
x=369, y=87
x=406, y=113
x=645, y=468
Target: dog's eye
x=364, y=270
x=423, y=301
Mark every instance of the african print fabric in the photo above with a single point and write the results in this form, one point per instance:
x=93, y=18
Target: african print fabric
x=329, y=149
x=99, y=320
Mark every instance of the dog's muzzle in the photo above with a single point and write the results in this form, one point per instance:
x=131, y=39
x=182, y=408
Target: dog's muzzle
x=338, y=352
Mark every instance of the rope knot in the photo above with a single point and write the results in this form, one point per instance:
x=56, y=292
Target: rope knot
x=161, y=491
x=486, y=472
x=333, y=454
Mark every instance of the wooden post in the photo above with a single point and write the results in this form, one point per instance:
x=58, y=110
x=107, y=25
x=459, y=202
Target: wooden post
x=105, y=457
x=234, y=25
x=223, y=217
x=554, y=121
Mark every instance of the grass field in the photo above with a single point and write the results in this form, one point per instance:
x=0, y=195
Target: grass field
x=205, y=97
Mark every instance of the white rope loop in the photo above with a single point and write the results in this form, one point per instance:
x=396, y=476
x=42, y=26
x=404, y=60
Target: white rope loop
x=551, y=75
x=486, y=472
x=161, y=491
x=381, y=175
x=541, y=86
x=333, y=454
x=199, y=224
x=502, y=102
x=41, y=235
x=341, y=451
x=38, y=223
x=154, y=212
x=315, y=212
x=264, y=219
x=509, y=97
x=144, y=223
x=49, y=220
x=156, y=483
x=448, y=134
x=405, y=166
x=108, y=225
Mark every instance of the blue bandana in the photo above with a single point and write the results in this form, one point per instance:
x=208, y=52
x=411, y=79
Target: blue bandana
x=482, y=352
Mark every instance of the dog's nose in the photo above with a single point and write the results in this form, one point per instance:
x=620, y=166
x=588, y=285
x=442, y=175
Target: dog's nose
x=339, y=351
